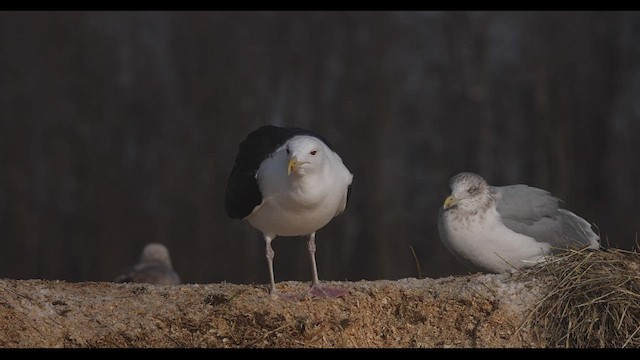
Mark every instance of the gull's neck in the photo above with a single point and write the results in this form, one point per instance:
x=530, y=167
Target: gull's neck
x=477, y=205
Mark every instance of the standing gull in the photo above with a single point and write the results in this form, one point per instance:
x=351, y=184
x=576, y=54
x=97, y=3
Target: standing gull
x=154, y=267
x=288, y=182
x=504, y=228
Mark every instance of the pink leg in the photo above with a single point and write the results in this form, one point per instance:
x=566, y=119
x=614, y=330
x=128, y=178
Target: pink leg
x=316, y=288
x=272, y=290
x=270, y=255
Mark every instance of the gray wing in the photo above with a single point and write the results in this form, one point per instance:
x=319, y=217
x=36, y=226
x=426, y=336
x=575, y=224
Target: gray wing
x=535, y=212
x=151, y=274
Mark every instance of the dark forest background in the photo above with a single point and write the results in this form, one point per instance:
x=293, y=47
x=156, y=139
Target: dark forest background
x=119, y=129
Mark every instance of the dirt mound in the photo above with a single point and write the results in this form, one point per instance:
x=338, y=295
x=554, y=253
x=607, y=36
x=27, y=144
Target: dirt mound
x=467, y=311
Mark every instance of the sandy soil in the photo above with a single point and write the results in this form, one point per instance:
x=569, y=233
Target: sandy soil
x=464, y=311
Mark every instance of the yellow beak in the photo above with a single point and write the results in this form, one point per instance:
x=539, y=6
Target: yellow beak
x=293, y=165
x=450, y=201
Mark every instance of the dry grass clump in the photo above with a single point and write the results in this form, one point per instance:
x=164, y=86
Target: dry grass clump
x=594, y=299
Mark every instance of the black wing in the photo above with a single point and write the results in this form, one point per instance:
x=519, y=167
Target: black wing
x=243, y=194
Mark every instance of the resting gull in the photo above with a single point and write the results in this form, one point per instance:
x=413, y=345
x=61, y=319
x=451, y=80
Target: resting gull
x=154, y=267
x=504, y=228
x=288, y=182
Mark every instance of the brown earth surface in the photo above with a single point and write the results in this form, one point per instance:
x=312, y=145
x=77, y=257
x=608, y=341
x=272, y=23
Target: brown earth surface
x=463, y=311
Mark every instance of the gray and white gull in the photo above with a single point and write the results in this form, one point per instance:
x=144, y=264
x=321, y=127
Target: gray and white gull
x=505, y=228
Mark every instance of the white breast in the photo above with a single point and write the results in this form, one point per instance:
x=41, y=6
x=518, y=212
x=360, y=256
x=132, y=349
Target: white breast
x=484, y=242
x=301, y=207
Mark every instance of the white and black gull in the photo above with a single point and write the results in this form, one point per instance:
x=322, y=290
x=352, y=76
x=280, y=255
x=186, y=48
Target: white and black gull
x=288, y=182
x=504, y=228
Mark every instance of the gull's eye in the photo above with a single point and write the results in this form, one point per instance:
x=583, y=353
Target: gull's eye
x=288, y=152
x=472, y=190
x=313, y=152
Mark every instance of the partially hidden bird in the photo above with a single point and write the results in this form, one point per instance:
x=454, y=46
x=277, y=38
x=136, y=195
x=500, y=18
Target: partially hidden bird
x=154, y=267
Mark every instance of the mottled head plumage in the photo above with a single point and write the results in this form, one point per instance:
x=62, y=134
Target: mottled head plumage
x=470, y=193
x=468, y=180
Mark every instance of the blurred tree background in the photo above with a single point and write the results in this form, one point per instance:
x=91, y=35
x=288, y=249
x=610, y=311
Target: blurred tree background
x=120, y=128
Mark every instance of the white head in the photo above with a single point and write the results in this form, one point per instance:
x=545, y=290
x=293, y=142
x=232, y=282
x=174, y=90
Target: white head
x=305, y=154
x=155, y=254
x=469, y=193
